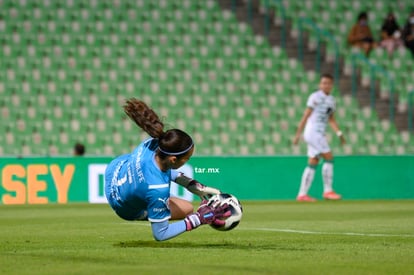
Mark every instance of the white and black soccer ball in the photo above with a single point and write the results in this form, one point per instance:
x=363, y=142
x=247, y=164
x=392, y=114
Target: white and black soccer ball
x=235, y=208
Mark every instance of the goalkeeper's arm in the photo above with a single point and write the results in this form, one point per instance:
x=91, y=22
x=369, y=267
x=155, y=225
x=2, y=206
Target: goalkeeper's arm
x=196, y=187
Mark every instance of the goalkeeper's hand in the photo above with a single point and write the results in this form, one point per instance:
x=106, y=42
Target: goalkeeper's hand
x=195, y=187
x=203, y=191
x=207, y=214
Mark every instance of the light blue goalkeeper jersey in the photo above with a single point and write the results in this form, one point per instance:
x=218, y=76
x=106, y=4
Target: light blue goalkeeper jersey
x=135, y=186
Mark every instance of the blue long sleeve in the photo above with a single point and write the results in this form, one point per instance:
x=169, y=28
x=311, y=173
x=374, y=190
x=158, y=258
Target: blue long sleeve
x=164, y=230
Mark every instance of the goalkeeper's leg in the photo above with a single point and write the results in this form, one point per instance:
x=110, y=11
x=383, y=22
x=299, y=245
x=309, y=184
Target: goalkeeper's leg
x=180, y=208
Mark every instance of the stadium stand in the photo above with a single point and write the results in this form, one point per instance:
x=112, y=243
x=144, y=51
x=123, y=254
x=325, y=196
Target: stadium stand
x=338, y=17
x=67, y=66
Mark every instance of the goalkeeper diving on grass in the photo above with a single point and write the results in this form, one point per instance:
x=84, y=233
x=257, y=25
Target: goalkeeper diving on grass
x=137, y=185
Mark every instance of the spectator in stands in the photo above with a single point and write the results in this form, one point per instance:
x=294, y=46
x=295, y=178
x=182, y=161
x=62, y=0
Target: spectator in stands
x=408, y=33
x=360, y=35
x=390, y=34
x=79, y=149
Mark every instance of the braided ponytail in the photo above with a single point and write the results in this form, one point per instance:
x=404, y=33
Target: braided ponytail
x=144, y=117
x=173, y=142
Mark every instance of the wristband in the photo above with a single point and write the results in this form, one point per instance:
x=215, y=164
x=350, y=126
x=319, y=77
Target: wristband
x=192, y=221
x=339, y=133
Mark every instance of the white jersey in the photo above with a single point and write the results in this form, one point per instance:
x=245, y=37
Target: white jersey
x=323, y=106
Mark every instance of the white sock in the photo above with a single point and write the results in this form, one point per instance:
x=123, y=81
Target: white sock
x=307, y=179
x=327, y=175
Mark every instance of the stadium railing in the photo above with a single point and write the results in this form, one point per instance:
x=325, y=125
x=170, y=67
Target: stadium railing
x=410, y=110
x=266, y=5
x=249, y=9
x=375, y=72
x=321, y=35
x=282, y=13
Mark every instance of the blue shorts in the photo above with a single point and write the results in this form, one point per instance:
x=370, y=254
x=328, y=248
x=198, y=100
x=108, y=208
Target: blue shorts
x=122, y=209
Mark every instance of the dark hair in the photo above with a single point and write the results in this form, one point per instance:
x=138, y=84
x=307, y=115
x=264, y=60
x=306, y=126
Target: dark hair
x=362, y=15
x=79, y=149
x=327, y=75
x=170, y=142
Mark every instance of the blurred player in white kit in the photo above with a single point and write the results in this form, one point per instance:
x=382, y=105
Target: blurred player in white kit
x=319, y=112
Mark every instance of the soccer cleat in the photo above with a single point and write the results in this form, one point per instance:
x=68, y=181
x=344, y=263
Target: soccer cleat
x=305, y=198
x=331, y=196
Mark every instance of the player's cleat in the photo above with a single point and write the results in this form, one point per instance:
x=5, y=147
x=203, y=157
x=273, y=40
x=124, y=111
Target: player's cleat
x=305, y=198
x=331, y=196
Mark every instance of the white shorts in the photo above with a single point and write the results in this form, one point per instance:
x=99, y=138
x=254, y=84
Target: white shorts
x=317, y=144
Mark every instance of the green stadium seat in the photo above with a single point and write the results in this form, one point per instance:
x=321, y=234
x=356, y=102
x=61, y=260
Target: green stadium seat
x=73, y=63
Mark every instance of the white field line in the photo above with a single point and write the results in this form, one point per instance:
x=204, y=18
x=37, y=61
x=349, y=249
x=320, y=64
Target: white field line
x=306, y=231
x=327, y=233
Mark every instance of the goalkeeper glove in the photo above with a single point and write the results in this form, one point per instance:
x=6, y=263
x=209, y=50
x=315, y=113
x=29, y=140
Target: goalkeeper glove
x=207, y=215
x=195, y=187
x=205, y=192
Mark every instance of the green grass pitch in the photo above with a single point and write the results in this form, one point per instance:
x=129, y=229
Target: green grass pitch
x=274, y=237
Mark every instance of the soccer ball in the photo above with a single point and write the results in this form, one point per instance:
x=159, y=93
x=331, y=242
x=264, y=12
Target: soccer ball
x=235, y=208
